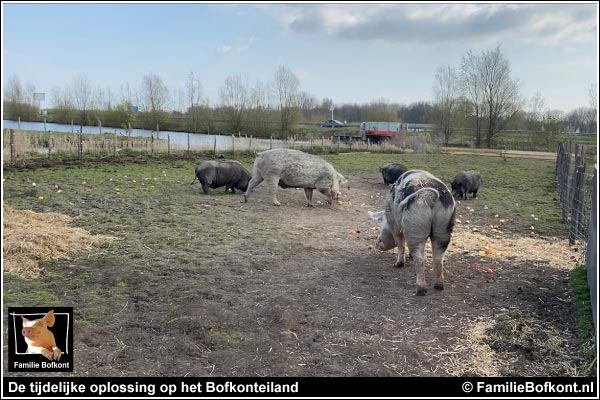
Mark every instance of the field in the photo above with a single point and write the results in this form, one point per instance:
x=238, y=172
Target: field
x=201, y=285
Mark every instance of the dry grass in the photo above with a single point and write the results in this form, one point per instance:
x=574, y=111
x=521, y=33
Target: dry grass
x=555, y=252
x=31, y=238
x=495, y=347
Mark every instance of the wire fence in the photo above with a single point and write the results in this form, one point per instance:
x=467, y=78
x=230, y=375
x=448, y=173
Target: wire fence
x=22, y=147
x=577, y=191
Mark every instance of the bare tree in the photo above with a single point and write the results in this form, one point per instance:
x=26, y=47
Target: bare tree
x=500, y=92
x=472, y=87
x=81, y=92
x=446, y=93
x=18, y=100
x=582, y=119
x=234, y=98
x=494, y=94
x=63, y=107
x=258, y=107
x=382, y=110
x=307, y=103
x=535, y=114
x=155, y=97
x=193, y=96
x=593, y=92
x=286, y=88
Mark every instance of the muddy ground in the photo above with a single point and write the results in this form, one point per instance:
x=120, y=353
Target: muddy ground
x=209, y=286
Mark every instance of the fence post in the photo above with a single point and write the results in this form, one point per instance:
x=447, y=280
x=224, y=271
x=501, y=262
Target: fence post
x=114, y=144
x=322, y=144
x=152, y=143
x=250, y=143
x=215, y=146
x=233, y=144
x=80, y=145
x=12, y=146
x=50, y=143
x=271, y=142
x=188, y=148
x=100, y=126
x=157, y=132
x=168, y=144
x=45, y=130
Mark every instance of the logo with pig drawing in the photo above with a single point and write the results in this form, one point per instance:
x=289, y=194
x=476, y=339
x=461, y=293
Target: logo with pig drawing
x=40, y=339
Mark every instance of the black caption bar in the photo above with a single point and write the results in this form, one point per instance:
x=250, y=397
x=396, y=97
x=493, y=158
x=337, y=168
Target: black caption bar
x=298, y=387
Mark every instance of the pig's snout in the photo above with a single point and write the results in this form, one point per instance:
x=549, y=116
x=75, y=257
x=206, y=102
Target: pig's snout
x=26, y=332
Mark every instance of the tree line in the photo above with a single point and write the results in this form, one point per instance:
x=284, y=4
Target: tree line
x=479, y=96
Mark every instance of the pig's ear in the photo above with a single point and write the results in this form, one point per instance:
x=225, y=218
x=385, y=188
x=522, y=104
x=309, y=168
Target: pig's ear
x=376, y=216
x=25, y=320
x=49, y=318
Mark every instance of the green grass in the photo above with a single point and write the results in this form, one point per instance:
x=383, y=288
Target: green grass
x=513, y=188
x=585, y=324
x=170, y=234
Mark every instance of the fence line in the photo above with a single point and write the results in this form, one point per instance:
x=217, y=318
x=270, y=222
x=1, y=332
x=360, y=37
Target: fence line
x=579, y=201
x=20, y=147
x=591, y=256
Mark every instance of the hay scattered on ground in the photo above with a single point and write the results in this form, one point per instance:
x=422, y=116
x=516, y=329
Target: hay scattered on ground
x=31, y=238
x=556, y=253
x=510, y=344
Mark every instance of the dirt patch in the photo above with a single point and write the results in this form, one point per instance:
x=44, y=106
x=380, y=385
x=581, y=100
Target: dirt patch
x=31, y=238
x=210, y=286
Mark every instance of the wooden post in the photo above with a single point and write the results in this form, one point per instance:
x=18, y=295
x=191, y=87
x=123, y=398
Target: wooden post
x=322, y=144
x=115, y=145
x=45, y=130
x=12, y=146
x=157, y=132
x=168, y=144
x=188, y=148
x=19, y=122
x=311, y=141
x=233, y=144
x=72, y=127
x=215, y=146
x=250, y=143
x=151, y=143
x=128, y=130
x=271, y=143
x=80, y=145
x=100, y=126
x=50, y=144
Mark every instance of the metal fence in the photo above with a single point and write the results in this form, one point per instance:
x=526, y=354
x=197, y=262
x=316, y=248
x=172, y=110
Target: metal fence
x=577, y=191
x=592, y=247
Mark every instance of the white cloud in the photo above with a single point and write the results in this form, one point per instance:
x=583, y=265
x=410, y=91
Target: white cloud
x=565, y=24
x=241, y=47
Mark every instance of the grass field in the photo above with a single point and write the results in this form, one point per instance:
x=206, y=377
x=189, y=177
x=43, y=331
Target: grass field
x=216, y=286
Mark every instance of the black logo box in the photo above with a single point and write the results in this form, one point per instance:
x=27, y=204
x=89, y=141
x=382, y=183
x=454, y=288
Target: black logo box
x=21, y=361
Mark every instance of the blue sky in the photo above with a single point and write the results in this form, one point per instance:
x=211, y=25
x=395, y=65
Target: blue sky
x=349, y=53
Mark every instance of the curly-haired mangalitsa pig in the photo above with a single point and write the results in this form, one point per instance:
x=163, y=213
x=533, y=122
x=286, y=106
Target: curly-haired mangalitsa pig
x=391, y=172
x=466, y=182
x=288, y=168
x=216, y=174
x=418, y=207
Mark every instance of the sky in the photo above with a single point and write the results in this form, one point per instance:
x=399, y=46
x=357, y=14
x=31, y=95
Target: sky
x=350, y=53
